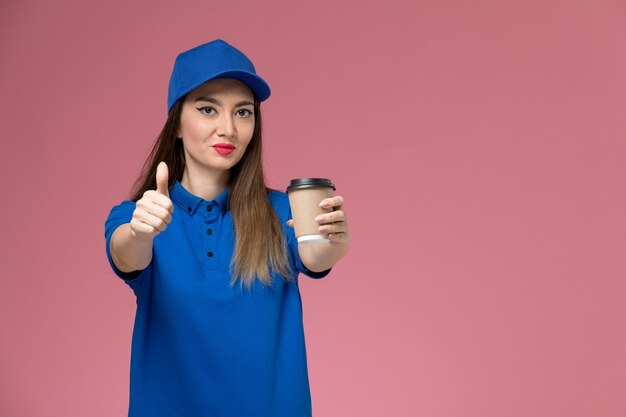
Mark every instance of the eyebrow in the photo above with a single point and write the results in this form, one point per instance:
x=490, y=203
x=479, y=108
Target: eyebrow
x=216, y=101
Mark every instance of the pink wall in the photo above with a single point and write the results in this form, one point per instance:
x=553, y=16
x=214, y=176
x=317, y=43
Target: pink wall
x=480, y=148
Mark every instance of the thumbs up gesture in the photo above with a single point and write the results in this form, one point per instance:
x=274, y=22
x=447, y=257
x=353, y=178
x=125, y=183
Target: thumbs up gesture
x=153, y=211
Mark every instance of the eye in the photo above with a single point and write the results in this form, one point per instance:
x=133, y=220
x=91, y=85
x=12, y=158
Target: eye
x=205, y=108
x=245, y=110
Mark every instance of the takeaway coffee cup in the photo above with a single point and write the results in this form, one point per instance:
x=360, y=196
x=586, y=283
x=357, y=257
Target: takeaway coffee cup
x=305, y=196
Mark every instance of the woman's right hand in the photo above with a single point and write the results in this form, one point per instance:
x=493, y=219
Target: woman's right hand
x=154, y=210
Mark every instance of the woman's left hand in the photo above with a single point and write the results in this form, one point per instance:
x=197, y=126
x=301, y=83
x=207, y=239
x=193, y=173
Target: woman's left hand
x=334, y=223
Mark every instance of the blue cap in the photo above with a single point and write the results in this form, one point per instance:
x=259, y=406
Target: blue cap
x=216, y=59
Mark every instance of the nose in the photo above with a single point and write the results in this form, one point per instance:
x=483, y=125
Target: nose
x=225, y=126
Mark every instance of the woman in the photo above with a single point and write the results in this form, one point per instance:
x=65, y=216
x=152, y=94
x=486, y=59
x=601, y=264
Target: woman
x=200, y=220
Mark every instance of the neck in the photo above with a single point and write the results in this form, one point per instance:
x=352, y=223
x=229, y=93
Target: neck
x=205, y=187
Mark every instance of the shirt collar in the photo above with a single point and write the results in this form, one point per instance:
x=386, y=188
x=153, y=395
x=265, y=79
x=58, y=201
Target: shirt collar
x=191, y=202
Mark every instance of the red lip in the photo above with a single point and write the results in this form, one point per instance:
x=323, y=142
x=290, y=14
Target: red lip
x=224, y=145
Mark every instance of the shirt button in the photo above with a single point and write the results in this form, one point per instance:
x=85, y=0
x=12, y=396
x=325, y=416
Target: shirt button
x=210, y=254
x=189, y=208
x=209, y=208
x=208, y=231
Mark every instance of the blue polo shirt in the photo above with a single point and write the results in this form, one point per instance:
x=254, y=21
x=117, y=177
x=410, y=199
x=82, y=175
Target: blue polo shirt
x=200, y=347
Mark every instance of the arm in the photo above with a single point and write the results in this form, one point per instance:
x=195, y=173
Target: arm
x=321, y=257
x=130, y=253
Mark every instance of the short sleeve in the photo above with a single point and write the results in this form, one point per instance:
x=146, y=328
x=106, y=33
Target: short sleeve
x=119, y=215
x=292, y=243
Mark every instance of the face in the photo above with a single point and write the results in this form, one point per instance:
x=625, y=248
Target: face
x=219, y=112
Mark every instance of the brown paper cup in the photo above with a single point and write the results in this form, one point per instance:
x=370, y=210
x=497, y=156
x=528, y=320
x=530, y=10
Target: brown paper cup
x=305, y=195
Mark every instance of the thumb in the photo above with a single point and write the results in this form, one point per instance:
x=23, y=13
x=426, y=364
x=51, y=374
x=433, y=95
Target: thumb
x=162, y=178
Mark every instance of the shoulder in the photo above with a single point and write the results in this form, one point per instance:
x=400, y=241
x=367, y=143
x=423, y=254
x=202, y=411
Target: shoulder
x=278, y=197
x=118, y=215
x=126, y=204
x=123, y=208
x=280, y=201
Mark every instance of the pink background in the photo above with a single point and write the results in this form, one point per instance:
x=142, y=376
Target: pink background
x=480, y=148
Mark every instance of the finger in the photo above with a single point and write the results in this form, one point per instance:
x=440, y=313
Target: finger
x=338, y=237
x=289, y=222
x=150, y=219
x=159, y=211
x=332, y=202
x=161, y=200
x=162, y=179
x=333, y=228
x=335, y=216
x=140, y=229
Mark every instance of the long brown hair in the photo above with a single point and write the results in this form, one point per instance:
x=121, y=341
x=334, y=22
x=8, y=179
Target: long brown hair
x=260, y=242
